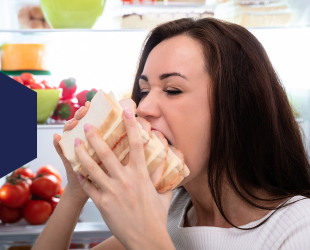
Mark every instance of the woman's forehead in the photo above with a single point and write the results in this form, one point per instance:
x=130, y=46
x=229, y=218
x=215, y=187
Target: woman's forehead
x=178, y=54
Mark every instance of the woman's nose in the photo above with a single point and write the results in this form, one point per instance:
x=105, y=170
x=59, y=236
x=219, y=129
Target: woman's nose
x=148, y=107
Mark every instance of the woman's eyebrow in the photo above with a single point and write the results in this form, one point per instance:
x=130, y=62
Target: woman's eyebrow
x=162, y=77
x=143, y=77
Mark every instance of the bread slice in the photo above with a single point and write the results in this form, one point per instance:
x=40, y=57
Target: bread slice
x=175, y=185
x=119, y=136
x=185, y=172
x=165, y=164
x=102, y=114
x=179, y=154
x=155, y=154
x=158, y=165
x=121, y=149
x=159, y=153
x=173, y=172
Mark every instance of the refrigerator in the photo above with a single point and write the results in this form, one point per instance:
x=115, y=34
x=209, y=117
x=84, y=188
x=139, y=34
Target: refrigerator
x=105, y=57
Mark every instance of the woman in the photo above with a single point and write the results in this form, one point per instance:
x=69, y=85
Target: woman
x=210, y=88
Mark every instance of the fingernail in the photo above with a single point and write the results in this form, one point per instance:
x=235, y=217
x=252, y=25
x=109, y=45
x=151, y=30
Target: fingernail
x=80, y=177
x=77, y=142
x=79, y=110
x=127, y=113
x=87, y=127
x=70, y=121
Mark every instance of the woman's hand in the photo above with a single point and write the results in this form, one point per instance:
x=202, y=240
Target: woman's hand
x=73, y=186
x=127, y=200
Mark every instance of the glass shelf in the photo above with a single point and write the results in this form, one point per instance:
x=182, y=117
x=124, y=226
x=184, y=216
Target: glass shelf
x=112, y=17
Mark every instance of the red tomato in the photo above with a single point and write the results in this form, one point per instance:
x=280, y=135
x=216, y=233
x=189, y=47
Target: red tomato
x=36, y=85
x=26, y=172
x=10, y=215
x=37, y=211
x=47, y=85
x=61, y=190
x=92, y=244
x=15, y=193
x=45, y=186
x=18, y=79
x=49, y=169
x=28, y=180
x=27, y=78
x=76, y=246
x=54, y=201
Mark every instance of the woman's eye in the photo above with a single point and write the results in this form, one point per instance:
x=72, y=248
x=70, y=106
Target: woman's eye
x=143, y=94
x=173, y=92
x=169, y=92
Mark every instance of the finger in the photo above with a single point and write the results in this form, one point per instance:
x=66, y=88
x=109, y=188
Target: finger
x=166, y=199
x=89, y=188
x=136, y=156
x=87, y=104
x=66, y=163
x=90, y=166
x=70, y=124
x=103, y=151
x=80, y=113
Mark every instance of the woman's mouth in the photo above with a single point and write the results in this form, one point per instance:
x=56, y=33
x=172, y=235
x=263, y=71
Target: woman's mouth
x=163, y=135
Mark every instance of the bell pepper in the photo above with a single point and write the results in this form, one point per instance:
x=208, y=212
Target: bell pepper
x=86, y=95
x=37, y=85
x=27, y=78
x=66, y=109
x=55, y=115
x=47, y=85
x=69, y=88
x=18, y=79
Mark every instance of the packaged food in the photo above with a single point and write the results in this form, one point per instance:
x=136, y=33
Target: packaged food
x=15, y=245
x=164, y=162
x=23, y=57
x=30, y=15
x=187, y=1
x=251, y=14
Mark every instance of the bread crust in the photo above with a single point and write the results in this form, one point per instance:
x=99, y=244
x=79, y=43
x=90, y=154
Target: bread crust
x=165, y=163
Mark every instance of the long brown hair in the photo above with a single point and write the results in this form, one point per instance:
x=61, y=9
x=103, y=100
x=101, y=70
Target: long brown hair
x=255, y=139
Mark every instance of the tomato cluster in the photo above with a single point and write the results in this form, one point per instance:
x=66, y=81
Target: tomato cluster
x=28, y=80
x=82, y=245
x=29, y=195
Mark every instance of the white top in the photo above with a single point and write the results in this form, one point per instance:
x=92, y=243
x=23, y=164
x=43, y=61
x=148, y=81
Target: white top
x=286, y=229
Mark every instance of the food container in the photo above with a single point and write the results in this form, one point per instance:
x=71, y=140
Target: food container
x=72, y=14
x=30, y=15
x=187, y=1
x=147, y=17
x=16, y=245
x=257, y=14
x=23, y=56
x=47, y=100
x=166, y=2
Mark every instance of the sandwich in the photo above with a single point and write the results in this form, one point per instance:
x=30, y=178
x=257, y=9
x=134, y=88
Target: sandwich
x=165, y=164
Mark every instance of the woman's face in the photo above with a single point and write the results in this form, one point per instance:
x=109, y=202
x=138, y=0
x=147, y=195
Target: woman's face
x=175, y=87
